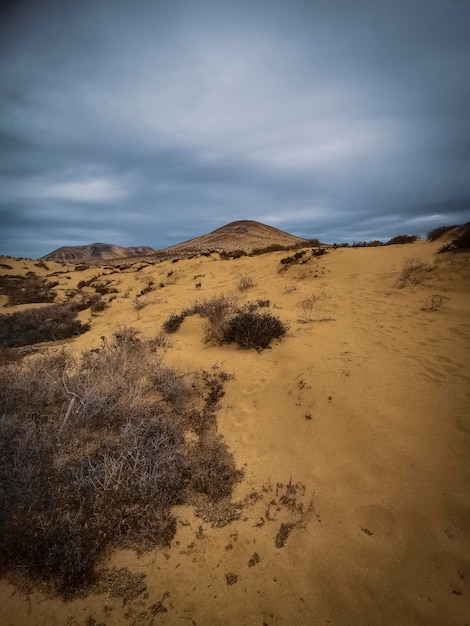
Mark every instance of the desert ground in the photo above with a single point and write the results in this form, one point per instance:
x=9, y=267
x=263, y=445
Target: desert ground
x=353, y=431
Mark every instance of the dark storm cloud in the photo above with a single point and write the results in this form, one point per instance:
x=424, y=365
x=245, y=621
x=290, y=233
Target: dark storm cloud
x=147, y=123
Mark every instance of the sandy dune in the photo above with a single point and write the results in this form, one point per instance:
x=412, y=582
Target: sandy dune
x=361, y=414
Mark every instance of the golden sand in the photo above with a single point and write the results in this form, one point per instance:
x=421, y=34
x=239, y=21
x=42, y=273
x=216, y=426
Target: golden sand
x=360, y=415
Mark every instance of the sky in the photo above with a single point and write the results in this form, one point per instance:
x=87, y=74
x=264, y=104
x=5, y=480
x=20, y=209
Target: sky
x=149, y=122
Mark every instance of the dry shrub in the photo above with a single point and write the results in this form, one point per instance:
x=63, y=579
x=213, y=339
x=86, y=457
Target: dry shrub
x=214, y=471
x=413, y=272
x=313, y=308
x=49, y=323
x=401, y=239
x=253, y=330
x=436, y=233
x=461, y=243
x=245, y=283
x=290, y=287
x=93, y=455
x=27, y=289
x=298, y=257
x=173, y=322
x=216, y=309
x=434, y=302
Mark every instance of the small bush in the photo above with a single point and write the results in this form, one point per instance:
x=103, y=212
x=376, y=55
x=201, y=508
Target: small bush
x=150, y=287
x=216, y=309
x=434, y=303
x=105, y=289
x=436, y=233
x=49, y=323
x=290, y=287
x=173, y=322
x=413, y=272
x=298, y=257
x=400, y=239
x=214, y=472
x=253, y=330
x=98, y=304
x=461, y=243
x=27, y=289
x=245, y=283
x=313, y=309
x=234, y=254
x=363, y=244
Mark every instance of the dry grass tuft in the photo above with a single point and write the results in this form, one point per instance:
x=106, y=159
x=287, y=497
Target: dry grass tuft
x=313, y=308
x=413, y=272
x=245, y=283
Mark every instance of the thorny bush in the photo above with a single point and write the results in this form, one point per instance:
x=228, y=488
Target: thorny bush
x=94, y=452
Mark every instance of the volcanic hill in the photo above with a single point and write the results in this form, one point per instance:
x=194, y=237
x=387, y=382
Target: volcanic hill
x=244, y=235
x=93, y=252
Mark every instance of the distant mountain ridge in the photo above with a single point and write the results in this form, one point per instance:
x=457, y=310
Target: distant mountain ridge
x=241, y=235
x=95, y=251
x=245, y=235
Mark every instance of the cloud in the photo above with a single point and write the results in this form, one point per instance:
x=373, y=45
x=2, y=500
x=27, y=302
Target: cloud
x=91, y=190
x=163, y=120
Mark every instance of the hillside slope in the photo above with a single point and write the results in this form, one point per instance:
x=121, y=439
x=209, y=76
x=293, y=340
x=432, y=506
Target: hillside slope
x=245, y=235
x=93, y=252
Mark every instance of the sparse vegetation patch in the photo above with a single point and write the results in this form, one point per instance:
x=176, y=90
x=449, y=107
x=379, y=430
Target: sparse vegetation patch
x=413, y=272
x=27, y=289
x=94, y=453
x=436, y=233
x=461, y=243
x=313, y=308
x=400, y=239
x=301, y=257
x=49, y=323
x=228, y=323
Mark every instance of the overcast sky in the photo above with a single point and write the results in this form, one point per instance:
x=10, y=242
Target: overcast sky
x=151, y=122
